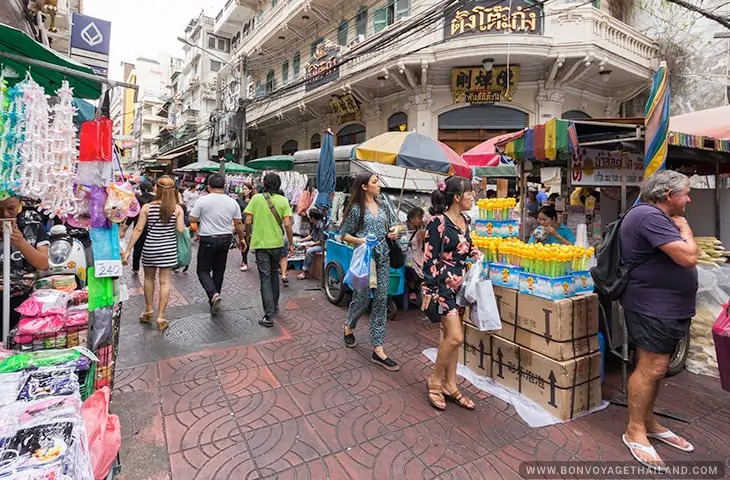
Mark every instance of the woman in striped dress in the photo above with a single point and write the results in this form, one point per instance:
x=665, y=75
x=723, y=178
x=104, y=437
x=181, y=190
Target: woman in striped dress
x=163, y=218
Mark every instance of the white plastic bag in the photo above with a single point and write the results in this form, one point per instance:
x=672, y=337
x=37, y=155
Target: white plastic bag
x=471, y=281
x=485, y=314
x=358, y=275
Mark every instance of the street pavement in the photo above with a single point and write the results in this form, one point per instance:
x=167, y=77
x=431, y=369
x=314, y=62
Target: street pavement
x=224, y=398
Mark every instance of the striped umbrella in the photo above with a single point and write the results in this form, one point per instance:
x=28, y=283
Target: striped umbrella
x=656, y=122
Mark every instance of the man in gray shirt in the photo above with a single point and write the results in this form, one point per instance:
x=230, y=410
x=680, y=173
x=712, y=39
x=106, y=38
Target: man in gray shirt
x=216, y=214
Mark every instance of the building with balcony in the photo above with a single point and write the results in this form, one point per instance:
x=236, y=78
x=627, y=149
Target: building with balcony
x=462, y=74
x=193, y=93
x=54, y=31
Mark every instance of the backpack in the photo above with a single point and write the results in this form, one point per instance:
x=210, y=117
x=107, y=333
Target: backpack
x=611, y=274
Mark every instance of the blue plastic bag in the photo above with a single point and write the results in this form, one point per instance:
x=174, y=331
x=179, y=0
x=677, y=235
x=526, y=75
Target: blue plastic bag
x=358, y=275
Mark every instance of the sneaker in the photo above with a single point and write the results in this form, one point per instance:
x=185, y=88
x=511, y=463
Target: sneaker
x=215, y=304
x=244, y=268
x=388, y=363
x=266, y=322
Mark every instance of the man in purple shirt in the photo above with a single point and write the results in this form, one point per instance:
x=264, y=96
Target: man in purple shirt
x=660, y=252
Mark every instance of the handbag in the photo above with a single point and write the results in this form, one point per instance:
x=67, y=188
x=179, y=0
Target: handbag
x=183, y=248
x=397, y=257
x=432, y=307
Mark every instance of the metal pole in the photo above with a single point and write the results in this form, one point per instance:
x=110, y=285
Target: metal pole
x=7, y=229
x=242, y=104
x=402, y=189
x=67, y=71
x=217, y=126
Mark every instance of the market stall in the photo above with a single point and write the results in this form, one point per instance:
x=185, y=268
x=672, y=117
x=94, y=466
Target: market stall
x=62, y=344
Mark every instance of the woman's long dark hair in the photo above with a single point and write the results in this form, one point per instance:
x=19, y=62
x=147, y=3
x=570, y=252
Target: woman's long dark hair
x=455, y=187
x=272, y=184
x=357, y=195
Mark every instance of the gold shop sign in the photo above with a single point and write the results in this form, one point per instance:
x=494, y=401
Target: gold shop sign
x=476, y=86
x=346, y=108
x=484, y=17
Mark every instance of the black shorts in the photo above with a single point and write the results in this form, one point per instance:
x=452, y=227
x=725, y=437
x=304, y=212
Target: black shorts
x=653, y=334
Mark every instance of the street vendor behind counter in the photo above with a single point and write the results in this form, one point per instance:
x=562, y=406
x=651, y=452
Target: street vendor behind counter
x=28, y=253
x=550, y=230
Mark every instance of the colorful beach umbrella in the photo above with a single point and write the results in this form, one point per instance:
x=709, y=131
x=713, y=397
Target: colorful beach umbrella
x=413, y=150
x=554, y=140
x=485, y=154
x=656, y=123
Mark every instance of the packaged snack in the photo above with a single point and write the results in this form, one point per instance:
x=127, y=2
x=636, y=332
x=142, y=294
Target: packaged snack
x=64, y=283
x=44, y=383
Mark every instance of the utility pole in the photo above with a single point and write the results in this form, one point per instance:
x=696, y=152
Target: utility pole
x=217, y=124
x=242, y=104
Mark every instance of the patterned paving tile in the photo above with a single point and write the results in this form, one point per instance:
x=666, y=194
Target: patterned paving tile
x=297, y=347
x=235, y=359
x=320, y=394
x=301, y=323
x=264, y=409
x=248, y=382
x=346, y=425
x=342, y=360
x=486, y=468
x=299, y=370
x=207, y=462
x=322, y=468
x=135, y=379
x=190, y=368
x=191, y=395
x=399, y=409
x=211, y=424
x=285, y=445
x=383, y=458
x=528, y=449
x=367, y=381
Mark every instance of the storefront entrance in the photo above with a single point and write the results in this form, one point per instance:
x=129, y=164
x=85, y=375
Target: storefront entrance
x=467, y=127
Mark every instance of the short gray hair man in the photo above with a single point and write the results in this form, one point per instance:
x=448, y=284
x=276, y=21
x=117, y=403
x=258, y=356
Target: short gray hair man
x=656, y=188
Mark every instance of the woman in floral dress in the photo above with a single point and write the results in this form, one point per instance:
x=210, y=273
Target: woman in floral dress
x=447, y=246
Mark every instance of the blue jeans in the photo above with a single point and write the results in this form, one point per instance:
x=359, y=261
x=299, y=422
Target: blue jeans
x=309, y=257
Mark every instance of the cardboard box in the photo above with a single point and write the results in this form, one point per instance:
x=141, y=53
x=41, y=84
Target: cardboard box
x=562, y=329
x=503, y=275
x=565, y=389
x=477, y=351
x=582, y=282
x=551, y=288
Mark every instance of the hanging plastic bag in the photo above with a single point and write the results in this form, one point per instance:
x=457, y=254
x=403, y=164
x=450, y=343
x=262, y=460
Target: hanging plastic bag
x=183, y=248
x=485, y=314
x=721, y=335
x=101, y=326
x=103, y=430
x=105, y=243
x=358, y=275
x=95, y=141
x=467, y=294
x=96, y=207
x=118, y=201
x=44, y=302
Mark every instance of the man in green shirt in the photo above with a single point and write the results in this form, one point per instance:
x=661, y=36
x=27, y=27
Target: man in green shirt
x=270, y=215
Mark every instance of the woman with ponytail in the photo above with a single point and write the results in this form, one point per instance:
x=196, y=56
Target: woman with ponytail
x=447, y=246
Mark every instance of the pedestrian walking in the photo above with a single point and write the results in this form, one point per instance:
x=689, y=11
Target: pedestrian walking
x=214, y=214
x=659, y=250
x=244, y=199
x=270, y=216
x=161, y=219
x=448, y=245
x=365, y=215
x=145, y=197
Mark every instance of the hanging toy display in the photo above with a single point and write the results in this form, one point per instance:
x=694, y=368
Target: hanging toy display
x=34, y=165
x=58, y=199
x=11, y=137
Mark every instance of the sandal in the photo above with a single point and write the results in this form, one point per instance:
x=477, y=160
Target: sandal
x=302, y=276
x=285, y=281
x=656, y=465
x=459, y=399
x=437, y=393
x=162, y=325
x=146, y=317
x=668, y=436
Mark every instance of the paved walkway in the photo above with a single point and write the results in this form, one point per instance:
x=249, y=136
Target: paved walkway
x=227, y=399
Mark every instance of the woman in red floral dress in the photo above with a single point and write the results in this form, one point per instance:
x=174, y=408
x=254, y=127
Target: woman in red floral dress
x=448, y=245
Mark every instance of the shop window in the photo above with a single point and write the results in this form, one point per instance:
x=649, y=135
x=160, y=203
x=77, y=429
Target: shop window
x=361, y=22
x=316, y=141
x=380, y=19
x=315, y=44
x=270, y=81
x=295, y=65
x=290, y=147
x=215, y=66
x=211, y=41
x=398, y=122
x=285, y=72
x=351, y=134
x=268, y=151
x=342, y=33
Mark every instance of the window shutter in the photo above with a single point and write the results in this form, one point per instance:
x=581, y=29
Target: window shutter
x=380, y=19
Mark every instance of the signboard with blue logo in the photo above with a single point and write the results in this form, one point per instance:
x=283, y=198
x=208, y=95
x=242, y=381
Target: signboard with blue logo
x=90, y=40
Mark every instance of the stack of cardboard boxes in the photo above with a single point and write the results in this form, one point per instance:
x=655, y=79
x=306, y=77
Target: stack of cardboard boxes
x=547, y=350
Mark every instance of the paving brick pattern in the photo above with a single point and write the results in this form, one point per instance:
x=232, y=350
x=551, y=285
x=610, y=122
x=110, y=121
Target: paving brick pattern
x=298, y=405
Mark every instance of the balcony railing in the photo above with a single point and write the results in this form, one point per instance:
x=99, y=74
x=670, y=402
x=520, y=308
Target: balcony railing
x=268, y=24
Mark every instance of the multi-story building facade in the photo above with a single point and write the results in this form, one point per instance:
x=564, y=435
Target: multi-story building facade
x=53, y=30
x=460, y=74
x=194, y=98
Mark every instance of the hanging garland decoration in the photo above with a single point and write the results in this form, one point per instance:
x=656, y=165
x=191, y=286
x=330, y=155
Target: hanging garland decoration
x=11, y=138
x=34, y=166
x=58, y=199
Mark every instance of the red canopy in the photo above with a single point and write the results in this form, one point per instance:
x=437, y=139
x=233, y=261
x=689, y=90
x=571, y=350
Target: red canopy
x=713, y=123
x=485, y=154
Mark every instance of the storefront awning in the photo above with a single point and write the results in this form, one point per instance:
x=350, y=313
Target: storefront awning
x=178, y=151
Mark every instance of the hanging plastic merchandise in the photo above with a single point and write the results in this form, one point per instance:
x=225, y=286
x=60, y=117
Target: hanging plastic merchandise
x=95, y=153
x=34, y=149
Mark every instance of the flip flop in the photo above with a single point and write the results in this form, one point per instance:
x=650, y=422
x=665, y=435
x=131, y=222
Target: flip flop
x=665, y=436
x=633, y=446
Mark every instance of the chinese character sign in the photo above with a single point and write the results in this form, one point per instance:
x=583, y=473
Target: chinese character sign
x=486, y=17
x=476, y=86
x=603, y=168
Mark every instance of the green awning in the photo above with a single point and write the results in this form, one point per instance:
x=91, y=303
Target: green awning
x=231, y=167
x=18, y=44
x=281, y=163
x=502, y=171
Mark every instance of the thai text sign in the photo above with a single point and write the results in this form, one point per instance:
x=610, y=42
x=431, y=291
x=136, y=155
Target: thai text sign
x=346, y=108
x=484, y=17
x=323, y=68
x=478, y=87
x=603, y=168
